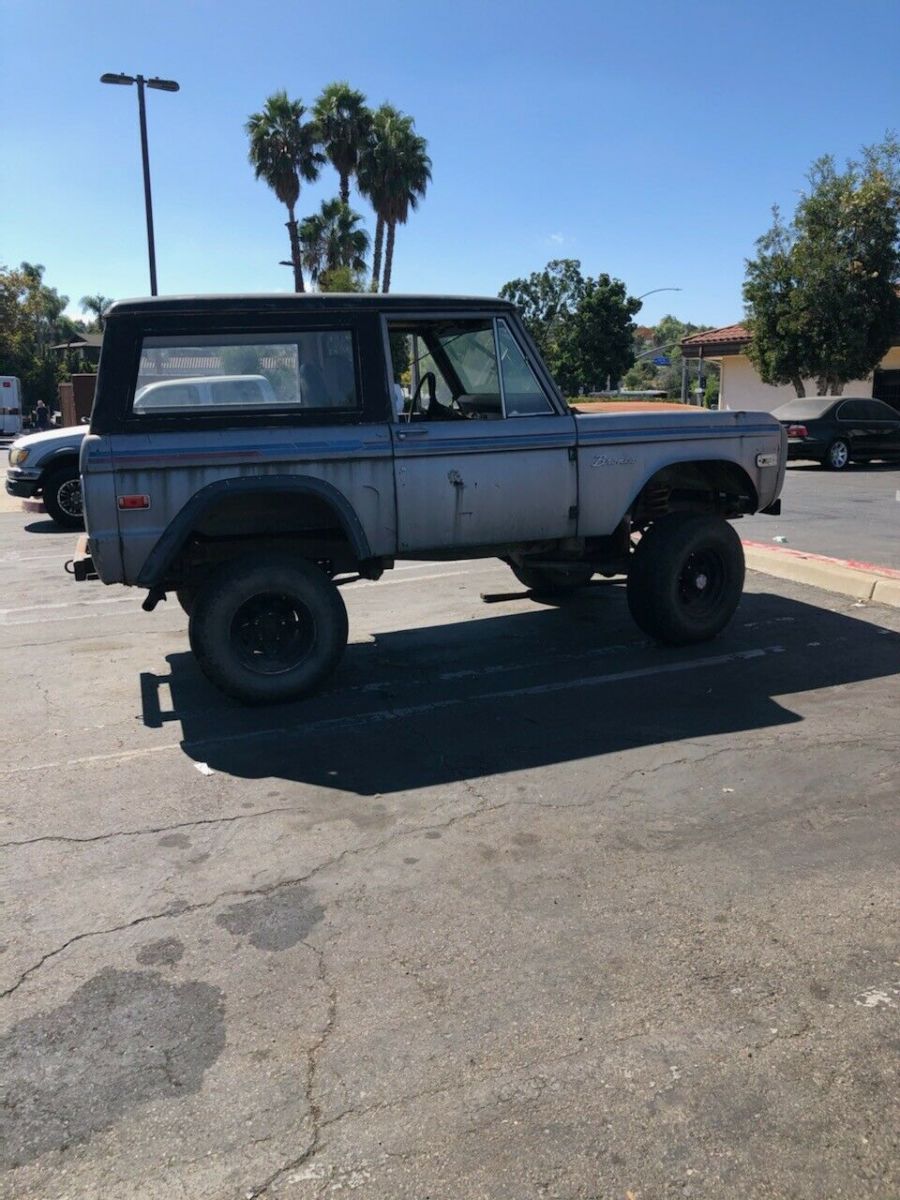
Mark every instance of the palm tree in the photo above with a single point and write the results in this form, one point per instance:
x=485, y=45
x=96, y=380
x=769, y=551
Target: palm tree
x=343, y=121
x=373, y=174
x=394, y=172
x=97, y=305
x=284, y=150
x=332, y=240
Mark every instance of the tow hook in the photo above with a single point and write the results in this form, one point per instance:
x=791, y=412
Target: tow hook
x=153, y=598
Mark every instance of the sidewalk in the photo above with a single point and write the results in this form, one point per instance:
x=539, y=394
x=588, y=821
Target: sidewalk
x=861, y=581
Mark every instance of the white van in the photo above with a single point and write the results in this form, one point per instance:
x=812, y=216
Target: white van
x=10, y=406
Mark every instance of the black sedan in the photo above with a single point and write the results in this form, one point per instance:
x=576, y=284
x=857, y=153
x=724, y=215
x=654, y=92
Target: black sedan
x=837, y=430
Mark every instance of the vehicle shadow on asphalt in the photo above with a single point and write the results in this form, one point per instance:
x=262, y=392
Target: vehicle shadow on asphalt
x=426, y=706
x=49, y=526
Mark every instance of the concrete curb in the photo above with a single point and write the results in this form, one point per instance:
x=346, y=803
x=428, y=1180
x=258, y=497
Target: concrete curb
x=861, y=581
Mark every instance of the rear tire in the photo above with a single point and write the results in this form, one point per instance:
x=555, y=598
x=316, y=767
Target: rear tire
x=268, y=629
x=553, y=581
x=62, y=497
x=837, y=456
x=686, y=578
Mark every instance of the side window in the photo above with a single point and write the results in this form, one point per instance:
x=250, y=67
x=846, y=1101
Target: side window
x=523, y=394
x=878, y=411
x=448, y=369
x=852, y=410
x=207, y=374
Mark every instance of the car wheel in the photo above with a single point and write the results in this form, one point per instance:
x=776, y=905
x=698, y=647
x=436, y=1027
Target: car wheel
x=837, y=456
x=268, y=629
x=553, y=581
x=62, y=497
x=686, y=578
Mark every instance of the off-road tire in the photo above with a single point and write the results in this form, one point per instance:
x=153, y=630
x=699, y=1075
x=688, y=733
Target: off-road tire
x=553, y=581
x=186, y=597
x=62, y=497
x=222, y=628
x=686, y=578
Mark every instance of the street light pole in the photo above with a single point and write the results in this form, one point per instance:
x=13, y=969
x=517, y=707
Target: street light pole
x=163, y=85
x=148, y=200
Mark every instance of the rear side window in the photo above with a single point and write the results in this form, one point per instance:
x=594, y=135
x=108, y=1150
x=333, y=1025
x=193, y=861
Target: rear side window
x=853, y=410
x=876, y=410
x=222, y=373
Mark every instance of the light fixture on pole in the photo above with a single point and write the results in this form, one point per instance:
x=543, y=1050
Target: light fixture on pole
x=162, y=85
x=653, y=291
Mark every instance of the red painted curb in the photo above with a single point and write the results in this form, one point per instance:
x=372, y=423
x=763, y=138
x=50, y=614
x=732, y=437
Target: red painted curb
x=851, y=564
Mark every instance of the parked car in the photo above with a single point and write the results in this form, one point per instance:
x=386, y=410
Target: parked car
x=252, y=508
x=838, y=430
x=46, y=465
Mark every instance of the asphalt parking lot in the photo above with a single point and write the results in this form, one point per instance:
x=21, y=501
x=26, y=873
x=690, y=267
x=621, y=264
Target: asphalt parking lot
x=522, y=906
x=853, y=514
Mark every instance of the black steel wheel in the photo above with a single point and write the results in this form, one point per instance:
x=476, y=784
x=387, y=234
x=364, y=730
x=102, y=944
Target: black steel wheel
x=268, y=629
x=686, y=578
x=62, y=497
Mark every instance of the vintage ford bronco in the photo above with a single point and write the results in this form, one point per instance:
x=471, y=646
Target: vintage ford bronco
x=250, y=454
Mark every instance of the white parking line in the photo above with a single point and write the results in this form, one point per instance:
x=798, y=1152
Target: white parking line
x=32, y=613
x=393, y=714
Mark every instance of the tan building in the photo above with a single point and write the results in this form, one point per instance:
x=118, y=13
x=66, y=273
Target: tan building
x=741, y=388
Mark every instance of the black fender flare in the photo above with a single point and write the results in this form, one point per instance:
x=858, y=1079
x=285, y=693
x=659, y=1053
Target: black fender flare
x=173, y=539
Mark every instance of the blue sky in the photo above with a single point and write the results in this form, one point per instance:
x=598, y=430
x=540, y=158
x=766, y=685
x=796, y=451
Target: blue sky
x=647, y=139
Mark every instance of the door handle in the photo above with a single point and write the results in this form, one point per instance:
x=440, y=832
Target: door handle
x=412, y=433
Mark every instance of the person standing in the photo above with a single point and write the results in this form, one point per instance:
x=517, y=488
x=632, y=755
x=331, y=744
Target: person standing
x=41, y=415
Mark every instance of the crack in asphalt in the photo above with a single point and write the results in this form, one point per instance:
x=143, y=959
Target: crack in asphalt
x=312, y=1065
x=150, y=829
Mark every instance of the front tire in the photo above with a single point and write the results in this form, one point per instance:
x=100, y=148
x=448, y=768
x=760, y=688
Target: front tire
x=553, y=581
x=837, y=457
x=268, y=629
x=62, y=497
x=686, y=578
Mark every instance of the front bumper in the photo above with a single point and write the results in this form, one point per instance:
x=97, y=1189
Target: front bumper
x=21, y=485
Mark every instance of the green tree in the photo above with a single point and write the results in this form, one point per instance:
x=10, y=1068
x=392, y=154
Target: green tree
x=821, y=293
x=341, y=279
x=332, y=240
x=31, y=322
x=547, y=299
x=284, y=151
x=596, y=344
x=393, y=173
x=344, y=123
x=97, y=306
x=582, y=326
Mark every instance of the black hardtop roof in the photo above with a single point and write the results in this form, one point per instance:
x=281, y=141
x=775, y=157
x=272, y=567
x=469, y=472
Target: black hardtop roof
x=307, y=301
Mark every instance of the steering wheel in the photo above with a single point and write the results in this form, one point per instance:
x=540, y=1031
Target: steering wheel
x=416, y=402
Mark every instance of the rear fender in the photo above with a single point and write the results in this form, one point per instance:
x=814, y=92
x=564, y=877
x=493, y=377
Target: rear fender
x=201, y=505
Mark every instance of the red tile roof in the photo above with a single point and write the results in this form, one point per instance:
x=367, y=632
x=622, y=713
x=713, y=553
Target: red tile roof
x=713, y=337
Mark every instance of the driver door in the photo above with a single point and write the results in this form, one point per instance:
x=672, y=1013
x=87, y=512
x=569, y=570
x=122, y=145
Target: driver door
x=482, y=457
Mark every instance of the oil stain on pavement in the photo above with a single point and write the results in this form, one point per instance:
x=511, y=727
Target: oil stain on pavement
x=120, y=1040
x=276, y=921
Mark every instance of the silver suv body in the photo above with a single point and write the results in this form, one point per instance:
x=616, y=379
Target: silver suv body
x=311, y=467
